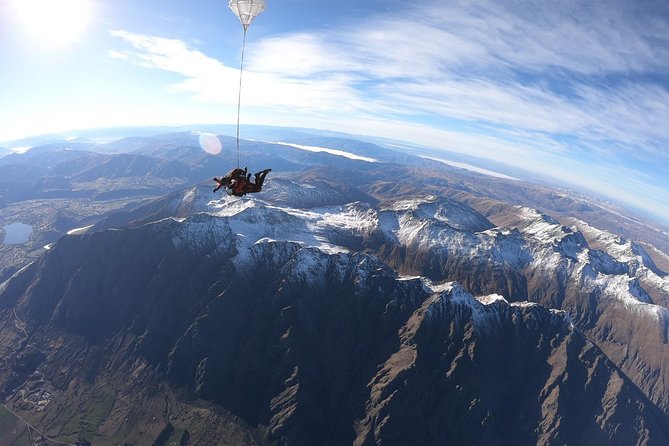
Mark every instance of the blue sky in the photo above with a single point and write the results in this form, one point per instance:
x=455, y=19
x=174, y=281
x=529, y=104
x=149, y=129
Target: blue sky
x=574, y=90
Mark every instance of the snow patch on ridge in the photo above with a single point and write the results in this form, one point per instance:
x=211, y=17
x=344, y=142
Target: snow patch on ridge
x=432, y=288
x=484, y=311
x=79, y=230
x=491, y=298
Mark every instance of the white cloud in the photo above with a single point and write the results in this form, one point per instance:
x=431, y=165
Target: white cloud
x=120, y=55
x=296, y=56
x=172, y=55
x=209, y=80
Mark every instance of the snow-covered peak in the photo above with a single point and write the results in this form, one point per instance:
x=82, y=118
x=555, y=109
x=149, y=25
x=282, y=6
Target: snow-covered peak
x=291, y=192
x=188, y=202
x=490, y=299
x=485, y=311
x=454, y=214
x=547, y=234
x=431, y=224
x=229, y=206
x=542, y=227
x=252, y=221
x=531, y=214
x=482, y=308
x=409, y=204
x=428, y=222
x=331, y=229
x=622, y=250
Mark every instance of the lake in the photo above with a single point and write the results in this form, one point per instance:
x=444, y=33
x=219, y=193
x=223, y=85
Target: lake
x=17, y=233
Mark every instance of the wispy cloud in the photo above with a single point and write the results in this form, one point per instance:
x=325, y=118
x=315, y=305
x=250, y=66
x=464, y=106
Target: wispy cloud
x=202, y=74
x=208, y=79
x=585, y=37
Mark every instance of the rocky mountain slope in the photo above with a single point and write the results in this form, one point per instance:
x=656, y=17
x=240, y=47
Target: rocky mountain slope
x=207, y=320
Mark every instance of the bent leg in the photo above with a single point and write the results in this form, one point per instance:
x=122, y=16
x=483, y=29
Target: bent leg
x=260, y=177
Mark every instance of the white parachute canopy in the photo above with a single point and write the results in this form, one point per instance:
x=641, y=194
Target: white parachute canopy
x=247, y=10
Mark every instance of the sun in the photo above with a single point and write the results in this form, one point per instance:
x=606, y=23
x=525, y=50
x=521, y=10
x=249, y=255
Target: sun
x=52, y=22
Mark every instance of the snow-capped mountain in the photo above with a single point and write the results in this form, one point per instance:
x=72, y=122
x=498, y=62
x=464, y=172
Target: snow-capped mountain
x=341, y=321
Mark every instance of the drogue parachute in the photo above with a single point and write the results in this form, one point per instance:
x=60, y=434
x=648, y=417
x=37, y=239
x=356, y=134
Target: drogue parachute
x=247, y=10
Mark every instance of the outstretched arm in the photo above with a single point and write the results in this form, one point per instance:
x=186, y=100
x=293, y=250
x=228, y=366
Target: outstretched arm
x=220, y=184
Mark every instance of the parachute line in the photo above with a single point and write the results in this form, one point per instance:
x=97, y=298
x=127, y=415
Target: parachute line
x=246, y=11
x=239, y=96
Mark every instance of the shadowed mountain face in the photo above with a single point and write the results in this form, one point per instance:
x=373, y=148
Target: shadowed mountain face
x=245, y=321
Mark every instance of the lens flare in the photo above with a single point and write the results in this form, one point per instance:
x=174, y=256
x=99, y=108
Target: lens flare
x=210, y=143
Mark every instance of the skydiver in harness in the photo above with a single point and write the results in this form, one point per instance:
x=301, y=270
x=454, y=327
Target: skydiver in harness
x=227, y=179
x=238, y=183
